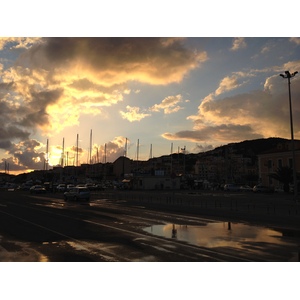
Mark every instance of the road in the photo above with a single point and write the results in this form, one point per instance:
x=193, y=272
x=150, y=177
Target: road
x=38, y=228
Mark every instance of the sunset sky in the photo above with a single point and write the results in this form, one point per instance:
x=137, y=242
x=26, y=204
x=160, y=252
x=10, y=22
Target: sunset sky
x=194, y=92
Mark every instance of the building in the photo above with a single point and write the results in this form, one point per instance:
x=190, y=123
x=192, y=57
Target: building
x=270, y=161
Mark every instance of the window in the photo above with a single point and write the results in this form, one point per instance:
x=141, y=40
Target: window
x=279, y=163
x=291, y=163
x=270, y=164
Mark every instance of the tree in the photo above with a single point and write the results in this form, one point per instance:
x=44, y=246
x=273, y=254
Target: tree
x=284, y=175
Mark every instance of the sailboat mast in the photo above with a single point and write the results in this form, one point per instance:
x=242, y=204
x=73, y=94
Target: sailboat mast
x=63, y=153
x=47, y=156
x=91, y=147
x=77, y=151
x=137, y=153
x=171, y=158
x=150, y=155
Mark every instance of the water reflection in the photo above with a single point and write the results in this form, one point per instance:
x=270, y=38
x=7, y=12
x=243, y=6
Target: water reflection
x=219, y=234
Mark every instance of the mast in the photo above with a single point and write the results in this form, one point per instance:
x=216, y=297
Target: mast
x=91, y=147
x=150, y=155
x=171, y=158
x=137, y=153
x=47, y=156
x=125, y=152
x=77, y=151
x=63, y=153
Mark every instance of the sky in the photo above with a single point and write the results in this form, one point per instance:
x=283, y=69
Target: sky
x=150, y=92
x=217, y=83
x=160, y=94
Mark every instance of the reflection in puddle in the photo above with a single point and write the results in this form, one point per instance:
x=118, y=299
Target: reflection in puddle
x=225, y=234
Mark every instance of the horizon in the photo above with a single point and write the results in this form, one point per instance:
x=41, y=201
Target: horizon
x=170, y=93
x=7, y=171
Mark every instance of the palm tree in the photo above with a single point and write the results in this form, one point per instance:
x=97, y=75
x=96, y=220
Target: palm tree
x=284, y=175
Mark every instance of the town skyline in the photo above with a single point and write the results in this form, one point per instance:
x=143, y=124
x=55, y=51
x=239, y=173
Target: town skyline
x=151, y=95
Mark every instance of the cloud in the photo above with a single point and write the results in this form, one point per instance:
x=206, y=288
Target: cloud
x=238, y=43
x=56, y=80
x=295, y=40
x=220, y=133
x=113, y=149
x=202, y=148
x=110, y=61
x=17, y=42
x=133, y=114
x=228, y=84
x=168, y=105
x=25, y=155
x=256, y=114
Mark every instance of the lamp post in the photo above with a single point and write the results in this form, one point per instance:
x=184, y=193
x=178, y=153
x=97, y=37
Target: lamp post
x=288, y=75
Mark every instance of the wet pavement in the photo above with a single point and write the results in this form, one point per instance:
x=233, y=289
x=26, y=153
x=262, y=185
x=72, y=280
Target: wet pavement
x=45, y=228
x=230, y=235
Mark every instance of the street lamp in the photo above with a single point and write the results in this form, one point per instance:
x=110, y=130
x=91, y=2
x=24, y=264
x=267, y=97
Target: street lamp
x=288, y=75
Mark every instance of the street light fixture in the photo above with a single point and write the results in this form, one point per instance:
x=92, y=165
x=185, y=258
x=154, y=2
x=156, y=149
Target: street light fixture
x=288, y=75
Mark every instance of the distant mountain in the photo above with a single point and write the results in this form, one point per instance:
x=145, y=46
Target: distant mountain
x=258, y=146
x=249, y=148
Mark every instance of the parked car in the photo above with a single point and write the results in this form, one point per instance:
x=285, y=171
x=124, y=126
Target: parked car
x=232, y=187
x=246, y=188
x=61, y=187
x=70, y=186
x=91, y=186
x=37, y=189
x=77, y=194
x=262, y=189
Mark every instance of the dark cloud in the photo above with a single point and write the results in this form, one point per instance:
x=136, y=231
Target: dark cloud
x=24, y=155
x=75, y=149
x=36, y=114
x=203, y=148
x=5, y=144
x=221, y=133
x=10, y=131
x=115, y=60
x=104, y=52
x=49, y=84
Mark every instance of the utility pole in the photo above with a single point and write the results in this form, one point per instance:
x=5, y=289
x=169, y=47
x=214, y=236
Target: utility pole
x=288, y=76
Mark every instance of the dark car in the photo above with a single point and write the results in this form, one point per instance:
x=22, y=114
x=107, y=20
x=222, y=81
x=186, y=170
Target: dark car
x=77, y=194
x=262, y=189
x=232, y=187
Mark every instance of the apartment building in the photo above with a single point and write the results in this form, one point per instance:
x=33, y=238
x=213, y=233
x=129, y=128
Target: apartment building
x=270, y=161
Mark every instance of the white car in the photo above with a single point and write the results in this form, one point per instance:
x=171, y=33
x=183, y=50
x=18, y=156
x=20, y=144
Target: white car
x=70, y=186
x=37, y=189
x=77, y=194
x=61, y=187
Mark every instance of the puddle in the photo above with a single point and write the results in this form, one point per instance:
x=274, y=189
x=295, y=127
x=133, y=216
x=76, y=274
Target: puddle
x=224, y=234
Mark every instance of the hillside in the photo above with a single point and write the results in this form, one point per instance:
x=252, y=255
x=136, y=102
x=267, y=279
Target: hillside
x=250, y=147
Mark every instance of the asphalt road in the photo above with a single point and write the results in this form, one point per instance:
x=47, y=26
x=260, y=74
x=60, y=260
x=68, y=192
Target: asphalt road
x=110, y=228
